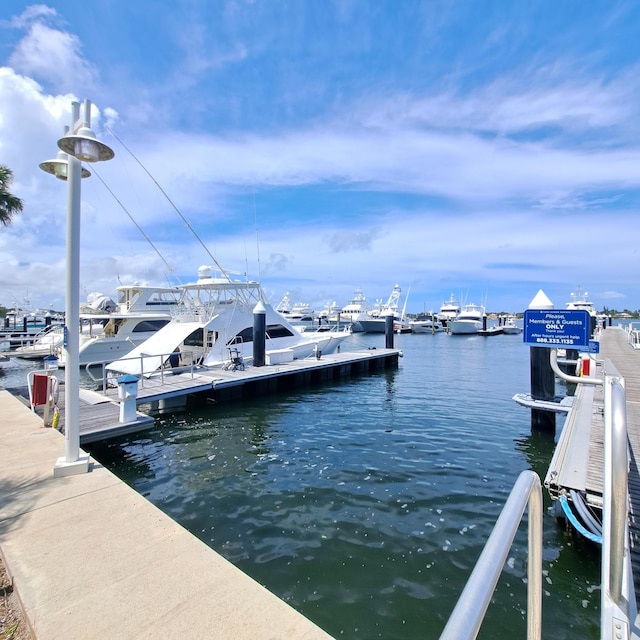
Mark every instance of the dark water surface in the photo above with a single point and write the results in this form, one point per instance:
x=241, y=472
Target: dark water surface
x=365, y=504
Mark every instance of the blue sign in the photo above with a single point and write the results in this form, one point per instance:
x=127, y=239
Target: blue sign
x=557, y=329
x=594, y=346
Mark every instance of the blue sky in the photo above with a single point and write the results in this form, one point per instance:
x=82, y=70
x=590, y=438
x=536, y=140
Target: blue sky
x=484, y=149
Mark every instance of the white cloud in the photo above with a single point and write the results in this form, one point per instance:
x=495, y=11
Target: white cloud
x=53, y=57
x=484, y=191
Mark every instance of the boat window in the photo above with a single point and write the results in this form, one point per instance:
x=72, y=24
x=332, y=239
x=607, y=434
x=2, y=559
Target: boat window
x=246, y=335
x=150, y=325
x=195, y=339
x=278, y=331
x=273, y=331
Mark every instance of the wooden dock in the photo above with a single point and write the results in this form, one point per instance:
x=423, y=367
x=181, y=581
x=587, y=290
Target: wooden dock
x=578, y=461
x=100, y=412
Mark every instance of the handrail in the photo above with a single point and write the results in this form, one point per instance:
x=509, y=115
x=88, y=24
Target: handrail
x=466, y=619
x=186, y=354
x=553, y=361
x=615, y=501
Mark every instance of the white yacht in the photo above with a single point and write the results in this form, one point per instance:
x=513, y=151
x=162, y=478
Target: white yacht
x=110, y=330
x=426, y=323
x=469, y=320
x=355, y=310
x=330, y=315
x=213, y=326
x=21, y=328
x=375, y=320
x=299, y=313
x=510, y=326
x=580, y=300
x=45, y=343
x=448, y=310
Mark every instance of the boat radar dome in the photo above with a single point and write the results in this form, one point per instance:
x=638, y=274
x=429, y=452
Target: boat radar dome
x=204, y=272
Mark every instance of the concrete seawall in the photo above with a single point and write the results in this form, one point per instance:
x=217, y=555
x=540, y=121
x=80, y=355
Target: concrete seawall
x=91, y=558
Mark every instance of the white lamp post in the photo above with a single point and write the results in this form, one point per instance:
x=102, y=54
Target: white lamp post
x=78, y=144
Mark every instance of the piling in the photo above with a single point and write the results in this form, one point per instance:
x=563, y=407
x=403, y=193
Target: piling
x=259, y=334
x=543, y=379
x=388, y=330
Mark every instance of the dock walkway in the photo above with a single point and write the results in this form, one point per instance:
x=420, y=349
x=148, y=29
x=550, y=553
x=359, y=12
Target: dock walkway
x=578, y=461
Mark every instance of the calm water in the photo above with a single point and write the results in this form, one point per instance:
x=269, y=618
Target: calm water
x=366, y=504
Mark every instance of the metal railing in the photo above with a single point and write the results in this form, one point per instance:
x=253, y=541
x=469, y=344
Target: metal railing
x=618, y=603
x=466, y=619
x=108, y=378
x=633, y=334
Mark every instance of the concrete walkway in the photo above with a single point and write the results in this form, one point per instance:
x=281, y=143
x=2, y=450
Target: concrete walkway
x=90, y=558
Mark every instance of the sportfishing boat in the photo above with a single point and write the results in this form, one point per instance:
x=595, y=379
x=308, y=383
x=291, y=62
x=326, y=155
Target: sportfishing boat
x=109, y=330
x=375, y=320
x=469, y=320
x=300, y=313
x=426, y=323
x=580, y=300
x=330, y=315
x=510, y=327
x=356, y=309
x=448, y=310
x=213, y=326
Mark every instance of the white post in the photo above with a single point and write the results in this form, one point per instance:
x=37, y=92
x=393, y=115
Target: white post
x=72, y=463
x=78, y=144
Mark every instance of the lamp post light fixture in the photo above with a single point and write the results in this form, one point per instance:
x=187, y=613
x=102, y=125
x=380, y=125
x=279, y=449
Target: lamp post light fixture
x=58, y=166
x=79, y=144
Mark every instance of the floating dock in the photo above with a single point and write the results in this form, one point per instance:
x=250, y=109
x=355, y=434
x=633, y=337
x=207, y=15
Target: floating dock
x=578, y=461
x=100, y=412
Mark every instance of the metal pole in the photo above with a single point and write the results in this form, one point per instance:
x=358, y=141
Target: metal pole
x=72, y=315
x=72, y=463
x=616, y=465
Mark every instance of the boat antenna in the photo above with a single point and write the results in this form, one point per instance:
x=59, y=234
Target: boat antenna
x=164, y=193
x=255, y=223
x=144, y=235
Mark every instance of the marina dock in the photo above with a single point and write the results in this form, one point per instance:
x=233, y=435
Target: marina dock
x=578, y=462
x=100, y=411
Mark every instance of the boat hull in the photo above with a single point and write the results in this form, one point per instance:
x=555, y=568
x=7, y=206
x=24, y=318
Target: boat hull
x=463, y=327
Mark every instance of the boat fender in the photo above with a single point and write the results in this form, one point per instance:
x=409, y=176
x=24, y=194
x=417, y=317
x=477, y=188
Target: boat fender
x=55, y=421
x=54, y=390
